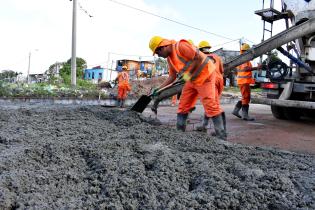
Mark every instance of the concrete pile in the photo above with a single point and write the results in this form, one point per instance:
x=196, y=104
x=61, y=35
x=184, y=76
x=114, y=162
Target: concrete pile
x=90, y=157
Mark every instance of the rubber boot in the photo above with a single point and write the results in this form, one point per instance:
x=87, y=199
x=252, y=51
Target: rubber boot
x=237, y=109
x=118, y=102
x=122, y=101
x=245, y=115
x=218, y=125
x=224, y=121
x=203, y=126
x=224, y=125
x=181, y=121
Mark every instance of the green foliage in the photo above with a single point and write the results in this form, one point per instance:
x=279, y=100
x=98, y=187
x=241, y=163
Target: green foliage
x=45, y=90
x=8, y=74
x=65, y=71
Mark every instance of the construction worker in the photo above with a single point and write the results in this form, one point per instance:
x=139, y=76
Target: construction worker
x=177, y=96
x=186, y=62
x=244, y=79
x=123, y=86
x=205, y=47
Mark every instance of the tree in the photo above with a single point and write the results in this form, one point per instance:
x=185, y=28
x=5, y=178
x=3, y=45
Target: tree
x=65, y=71
x=8, y=74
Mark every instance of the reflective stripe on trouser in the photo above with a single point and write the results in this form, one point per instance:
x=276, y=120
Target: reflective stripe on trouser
x=207, y=94
x=219, y=86
x=122, y=92
x=245, y=91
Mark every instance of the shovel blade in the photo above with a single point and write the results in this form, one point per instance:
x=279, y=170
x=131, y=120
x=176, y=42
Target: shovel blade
x=141, y=104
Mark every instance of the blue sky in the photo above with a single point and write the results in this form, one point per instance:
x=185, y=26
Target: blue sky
x=43, y=28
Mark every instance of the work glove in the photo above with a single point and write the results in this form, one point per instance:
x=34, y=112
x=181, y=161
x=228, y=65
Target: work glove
x=186, y=77
x=154, y=91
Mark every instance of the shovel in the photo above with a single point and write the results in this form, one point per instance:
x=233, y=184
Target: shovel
x=144, y=100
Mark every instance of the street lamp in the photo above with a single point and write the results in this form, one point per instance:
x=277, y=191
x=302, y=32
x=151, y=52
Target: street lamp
x=29, y=66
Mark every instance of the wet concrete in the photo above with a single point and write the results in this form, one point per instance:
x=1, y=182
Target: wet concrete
x=91, y=157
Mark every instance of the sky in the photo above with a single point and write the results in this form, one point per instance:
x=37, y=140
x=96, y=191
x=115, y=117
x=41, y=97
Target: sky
x=43, y=29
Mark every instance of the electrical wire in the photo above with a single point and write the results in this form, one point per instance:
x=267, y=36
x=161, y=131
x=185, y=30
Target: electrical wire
x=168, y=19
x=84, y=10
x=226, y=43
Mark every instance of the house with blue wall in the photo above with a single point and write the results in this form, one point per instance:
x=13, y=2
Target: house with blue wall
x=96, y=74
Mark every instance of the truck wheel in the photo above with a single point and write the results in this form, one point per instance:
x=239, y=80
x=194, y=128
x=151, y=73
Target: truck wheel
x=278, y=112
x=292, y=113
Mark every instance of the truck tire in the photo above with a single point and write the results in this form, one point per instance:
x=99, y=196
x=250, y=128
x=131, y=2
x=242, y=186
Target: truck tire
x=278, y=112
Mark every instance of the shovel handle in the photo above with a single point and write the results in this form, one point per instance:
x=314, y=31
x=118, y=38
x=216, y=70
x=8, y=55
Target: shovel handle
x=178, y=81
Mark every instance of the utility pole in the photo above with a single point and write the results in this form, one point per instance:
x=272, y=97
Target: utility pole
x=29, y=66
x=73, y=57
x=28, y=69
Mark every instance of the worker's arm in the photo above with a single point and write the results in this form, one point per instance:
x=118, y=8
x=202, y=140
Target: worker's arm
x=168, y=81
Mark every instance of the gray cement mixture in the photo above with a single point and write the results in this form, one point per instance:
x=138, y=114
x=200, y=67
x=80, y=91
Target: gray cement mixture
x=91, y=157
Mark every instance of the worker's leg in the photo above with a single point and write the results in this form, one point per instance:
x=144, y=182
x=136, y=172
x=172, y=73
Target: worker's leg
x=237, y=108
x=189, y=94
x=204, y=124
x=245, y=90
x=218, y=92
x=120, y=95
x=207, y=93
x=124, y=96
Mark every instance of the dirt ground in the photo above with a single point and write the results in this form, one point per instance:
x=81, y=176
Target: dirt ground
x=91, y=157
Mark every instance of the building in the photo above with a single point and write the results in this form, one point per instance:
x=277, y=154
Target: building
x=136, y=68
x=95, y=74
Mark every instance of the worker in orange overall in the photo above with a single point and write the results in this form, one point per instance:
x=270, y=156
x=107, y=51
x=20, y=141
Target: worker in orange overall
x=123, y=86
x=198, y=71
x=205, y=47
x=175, y=97
x=244, y=79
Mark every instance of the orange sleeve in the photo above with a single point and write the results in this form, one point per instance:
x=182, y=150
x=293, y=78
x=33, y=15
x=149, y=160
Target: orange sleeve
x=187, y=50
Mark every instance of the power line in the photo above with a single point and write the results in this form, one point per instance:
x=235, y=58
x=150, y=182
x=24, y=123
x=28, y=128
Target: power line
x=226, y=43
x=84, y=10
x=168, y=19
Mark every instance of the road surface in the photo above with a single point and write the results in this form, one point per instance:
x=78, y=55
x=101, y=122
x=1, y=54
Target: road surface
x=297, y=136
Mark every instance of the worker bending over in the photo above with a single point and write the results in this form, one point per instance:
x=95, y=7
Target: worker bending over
x=123, y=86
x=205, y=47
x=244, y=79
x=198, y=71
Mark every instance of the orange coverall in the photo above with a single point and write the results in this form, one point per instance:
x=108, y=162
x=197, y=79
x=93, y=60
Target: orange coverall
x=244, y=79
x=203, y=85
x=219, y=83
x=123, y=85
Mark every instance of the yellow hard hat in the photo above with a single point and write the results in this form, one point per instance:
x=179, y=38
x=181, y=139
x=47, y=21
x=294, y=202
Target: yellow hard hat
x=190, y=41
x=203, y=44
x=155, y=42
x=245, y=47
x=124, y=67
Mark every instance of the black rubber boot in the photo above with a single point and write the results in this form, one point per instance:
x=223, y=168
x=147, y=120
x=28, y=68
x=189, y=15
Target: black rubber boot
x=122, y=101
x=224, y=121
x=245, y=115
x=218, y=125
x=181, y=121
x=237, y=109
x=204, y=124
x=118, y=102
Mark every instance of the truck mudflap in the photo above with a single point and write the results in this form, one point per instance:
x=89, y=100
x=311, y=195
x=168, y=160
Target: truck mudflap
x=284, y=103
